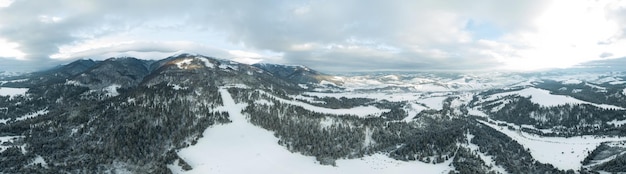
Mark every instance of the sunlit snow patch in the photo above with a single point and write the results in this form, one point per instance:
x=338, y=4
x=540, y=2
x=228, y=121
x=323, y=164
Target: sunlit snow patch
x=12, y=92
x=183, y=64
x=206, y=62
x=111, y=91
x=32, y=115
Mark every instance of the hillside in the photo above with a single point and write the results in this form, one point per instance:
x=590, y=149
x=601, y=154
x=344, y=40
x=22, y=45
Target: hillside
x=197, y=114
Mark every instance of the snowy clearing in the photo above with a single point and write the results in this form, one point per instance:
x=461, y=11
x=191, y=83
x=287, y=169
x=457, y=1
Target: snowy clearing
x=12, y=92
x=486, y=158
x=433, y=102
x=562, y=153
x=360, y=111
x=476, y=112
x=617, y=123
x=571, y=82
x=412, y=110
x=183, y=64
x=7, y=139
x=111, y=91
x=544, y=98
x=240, y=147
x=206, y=62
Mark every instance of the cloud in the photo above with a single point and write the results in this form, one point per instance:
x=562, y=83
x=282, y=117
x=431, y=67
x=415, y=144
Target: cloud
x=327, y=35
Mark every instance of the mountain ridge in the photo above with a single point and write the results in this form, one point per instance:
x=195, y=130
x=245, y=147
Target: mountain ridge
x=137, y=116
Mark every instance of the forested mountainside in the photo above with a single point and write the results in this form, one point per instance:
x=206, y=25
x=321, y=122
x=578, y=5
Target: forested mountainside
x=144, y=116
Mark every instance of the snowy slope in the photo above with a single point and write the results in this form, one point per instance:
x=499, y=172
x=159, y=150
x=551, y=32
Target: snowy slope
x=544, y=98
x=360, y=111
x=563, y=153
x=12, y=92
x=240, y=147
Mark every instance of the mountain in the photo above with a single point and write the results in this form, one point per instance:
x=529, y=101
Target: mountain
x=197, y=114
x=297, y=74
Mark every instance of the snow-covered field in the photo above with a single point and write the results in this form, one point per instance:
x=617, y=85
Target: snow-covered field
x=544, y=98
x=7, y=139
x=12, y=92
x=563, y=153
x=360, y=111
x=32, y=115
x=240, y=147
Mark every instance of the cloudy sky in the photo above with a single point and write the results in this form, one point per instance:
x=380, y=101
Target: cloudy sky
x=329, y=35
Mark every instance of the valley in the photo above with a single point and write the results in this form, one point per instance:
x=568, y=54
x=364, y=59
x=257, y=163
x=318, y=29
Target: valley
x=196, y=114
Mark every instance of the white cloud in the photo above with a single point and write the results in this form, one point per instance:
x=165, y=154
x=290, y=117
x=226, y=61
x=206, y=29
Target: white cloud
x=5, y=3
x=329, y=35
x=10, y=50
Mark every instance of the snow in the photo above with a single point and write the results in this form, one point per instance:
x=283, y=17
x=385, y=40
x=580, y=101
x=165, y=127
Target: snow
x=111, y=91
x=8, y=139
x=486, y=158
x=624, y=91
x=617, y=82
x=12, y=92
x=433, y=102
x=32, y=115
x=544, y=98
x=73, y=82
x=183, y=64
x=327, y=122
x=562, y=153
x=206, y=62
x=617, y=123
x=571, y=82
x=240, y=147
x=13, y=81
x=359, y=111
x=476, y=112
x=263, y=102
x=412, y=110
x=231, y=65
x=177, y=86
x=307, y=99
x=39, y=160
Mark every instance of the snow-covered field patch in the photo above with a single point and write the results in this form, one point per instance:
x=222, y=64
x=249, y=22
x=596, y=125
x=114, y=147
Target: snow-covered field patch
x=563, y=153
x=177, y=86
x=13, y=81
x=7, y=139
x=412, y=110
x=544, y=98
x=486, y=158
x=39, y=160
x=32, y=115
x=617, y=123
x=476, y=112
x=433, y=102
x=183, y=63
x=12, y=92
x=360, y=111
x=206, y=62
x=111, y=91
x=240, y=147
x=571, y=82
